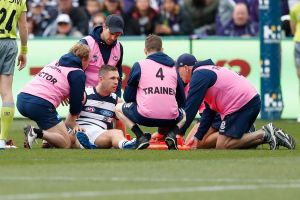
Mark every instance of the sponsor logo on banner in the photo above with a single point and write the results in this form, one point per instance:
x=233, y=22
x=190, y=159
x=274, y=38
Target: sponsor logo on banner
x=265, y=70
x=273, y=102
x=272, y=33
x=264, y=4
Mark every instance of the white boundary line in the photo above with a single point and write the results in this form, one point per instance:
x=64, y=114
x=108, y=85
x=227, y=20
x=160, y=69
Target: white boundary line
x=153, y=191
x=146, y=179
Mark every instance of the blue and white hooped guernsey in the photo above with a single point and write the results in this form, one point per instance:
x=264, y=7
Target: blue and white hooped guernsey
x=98, y=110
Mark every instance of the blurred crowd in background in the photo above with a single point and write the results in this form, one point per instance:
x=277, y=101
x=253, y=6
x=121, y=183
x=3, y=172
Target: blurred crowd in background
x=76, y=18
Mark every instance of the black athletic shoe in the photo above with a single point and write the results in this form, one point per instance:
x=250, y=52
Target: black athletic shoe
x=284, y=139
x=171, y=140
x=143, y=141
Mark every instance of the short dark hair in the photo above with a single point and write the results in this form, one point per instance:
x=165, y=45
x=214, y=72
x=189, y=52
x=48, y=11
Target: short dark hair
x=106, y=68
x=153, y=43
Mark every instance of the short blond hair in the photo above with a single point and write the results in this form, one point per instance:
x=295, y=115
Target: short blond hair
x=81, y=50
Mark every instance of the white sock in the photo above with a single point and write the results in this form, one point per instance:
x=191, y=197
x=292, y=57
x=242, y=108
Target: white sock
x=121, y=143
x=2, y=144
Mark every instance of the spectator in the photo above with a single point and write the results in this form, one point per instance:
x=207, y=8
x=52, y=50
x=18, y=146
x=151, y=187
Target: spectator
x=224, y=15
x=225, y=10
x=112, y=7
x=98, y=19
x=173, y=20
x=30, y=27
x=241, y=24
x=92, y=7
x=127, y=5
x=51, y=7
x=41, y=18
x=78, y=16
x=51, y=3
x=63, y=28
x=141, y=20
x=202, y=14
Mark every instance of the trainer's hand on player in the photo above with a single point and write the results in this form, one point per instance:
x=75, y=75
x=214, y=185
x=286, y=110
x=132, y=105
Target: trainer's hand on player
x=78, y=128
x=22, y=59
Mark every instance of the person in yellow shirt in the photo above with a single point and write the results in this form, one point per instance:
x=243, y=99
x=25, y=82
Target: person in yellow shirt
x=295, y=28
x=13, y=13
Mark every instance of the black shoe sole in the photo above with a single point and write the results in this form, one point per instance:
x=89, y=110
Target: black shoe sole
x=171, y=143
x=143, y=146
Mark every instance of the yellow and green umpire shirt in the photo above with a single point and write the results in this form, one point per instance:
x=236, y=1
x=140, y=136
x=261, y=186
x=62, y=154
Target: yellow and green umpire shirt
x=295, y=18
x=10, y=11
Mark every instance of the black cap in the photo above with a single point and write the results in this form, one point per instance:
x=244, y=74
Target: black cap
x=186, y=59
x=115, y=23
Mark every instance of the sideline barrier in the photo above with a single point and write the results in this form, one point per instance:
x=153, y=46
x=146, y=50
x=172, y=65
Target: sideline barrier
x=241, y=55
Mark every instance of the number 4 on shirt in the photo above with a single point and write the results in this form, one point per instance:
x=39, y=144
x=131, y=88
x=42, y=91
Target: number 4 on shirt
x=160, y=74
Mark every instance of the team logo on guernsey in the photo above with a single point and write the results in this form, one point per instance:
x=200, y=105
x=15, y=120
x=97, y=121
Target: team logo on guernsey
x=90, y=109
x=95, y=58
x=222, y=126
x=115, y=58
x=106, y=113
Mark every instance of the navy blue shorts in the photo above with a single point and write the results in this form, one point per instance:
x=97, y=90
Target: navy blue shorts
x=238, y=123
x=38, y=110
x=216, y=123
x=130, y=111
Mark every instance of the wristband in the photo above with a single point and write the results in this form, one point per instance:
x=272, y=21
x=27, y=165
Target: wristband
x=24, y=49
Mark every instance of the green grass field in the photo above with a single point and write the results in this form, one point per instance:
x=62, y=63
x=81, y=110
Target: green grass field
x=116, y=174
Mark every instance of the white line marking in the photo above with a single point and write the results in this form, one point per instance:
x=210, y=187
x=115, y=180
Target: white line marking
x=153, y=191
x=145, y=179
